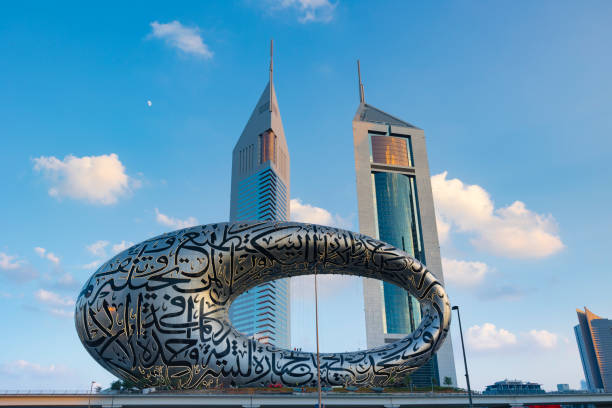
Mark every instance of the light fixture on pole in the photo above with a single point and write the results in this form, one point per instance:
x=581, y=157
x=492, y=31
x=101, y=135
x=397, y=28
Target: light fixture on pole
x=467, y=376
x=90, y=391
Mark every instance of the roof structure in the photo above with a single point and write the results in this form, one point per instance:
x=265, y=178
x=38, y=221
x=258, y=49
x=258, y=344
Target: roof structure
x=368, y=113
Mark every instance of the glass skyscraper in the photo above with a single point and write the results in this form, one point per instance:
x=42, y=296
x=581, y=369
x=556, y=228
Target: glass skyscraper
x=396, y=206
x=260, y=191
x=594, y=339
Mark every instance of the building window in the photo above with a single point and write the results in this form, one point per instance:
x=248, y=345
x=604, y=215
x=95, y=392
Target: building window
x=392, y=150
x=267, y=144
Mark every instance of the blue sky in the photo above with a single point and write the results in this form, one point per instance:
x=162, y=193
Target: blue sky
x=514, y=98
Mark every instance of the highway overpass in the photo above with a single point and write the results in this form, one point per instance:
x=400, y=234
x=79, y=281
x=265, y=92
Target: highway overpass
x=265, y=400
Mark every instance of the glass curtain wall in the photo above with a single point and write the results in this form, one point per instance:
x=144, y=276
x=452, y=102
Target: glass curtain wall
x=398, y=225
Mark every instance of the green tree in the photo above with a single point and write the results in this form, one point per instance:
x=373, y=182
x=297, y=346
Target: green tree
x=448, y=381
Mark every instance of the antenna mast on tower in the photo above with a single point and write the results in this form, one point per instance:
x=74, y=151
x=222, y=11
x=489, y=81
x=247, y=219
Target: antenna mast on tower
x=361, y=93
x=271, y=71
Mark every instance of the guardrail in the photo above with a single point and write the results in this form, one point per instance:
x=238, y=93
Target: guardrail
x=238, y=391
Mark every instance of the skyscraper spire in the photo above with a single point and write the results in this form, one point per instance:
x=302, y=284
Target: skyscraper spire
x=361, y=93
x=271, y=70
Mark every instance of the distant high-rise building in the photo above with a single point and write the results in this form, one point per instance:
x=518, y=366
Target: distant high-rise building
x=594, y=339
x=260, y=191
x=395, y=205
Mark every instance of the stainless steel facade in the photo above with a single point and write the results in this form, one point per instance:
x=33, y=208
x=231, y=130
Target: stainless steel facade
x=395, y=205
x=157, y=313
x=260, y=191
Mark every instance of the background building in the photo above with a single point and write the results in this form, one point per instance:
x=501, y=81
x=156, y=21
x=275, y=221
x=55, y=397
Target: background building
x=513, y=387
x=260, y=191
x=396, y=205
x=594, y=339
x=563, y=387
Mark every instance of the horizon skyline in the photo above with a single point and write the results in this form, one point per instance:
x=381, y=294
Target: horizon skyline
x=109, y=145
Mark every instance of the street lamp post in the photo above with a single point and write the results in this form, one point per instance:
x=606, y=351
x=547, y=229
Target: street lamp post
x=90, y=391
x=467, y=376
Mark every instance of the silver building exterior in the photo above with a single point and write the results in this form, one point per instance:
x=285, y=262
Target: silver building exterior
x=594, y=339
x=260, y=191
x=395, y=205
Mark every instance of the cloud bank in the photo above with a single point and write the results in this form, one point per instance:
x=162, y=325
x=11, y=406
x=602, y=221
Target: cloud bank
x=512, y=231
x=488, y=337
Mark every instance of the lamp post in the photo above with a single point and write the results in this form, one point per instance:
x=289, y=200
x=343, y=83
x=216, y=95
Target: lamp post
x=317, y=331
x=467, y=376
x=90, y=391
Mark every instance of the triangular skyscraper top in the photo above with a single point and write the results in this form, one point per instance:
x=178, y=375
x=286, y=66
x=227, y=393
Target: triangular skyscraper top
x=266, y=115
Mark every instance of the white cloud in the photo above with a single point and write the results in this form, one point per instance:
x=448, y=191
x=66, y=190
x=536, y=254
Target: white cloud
x=186, y=39
x=443, y=228
x=121, y=246
x=53, y=299
x=9, y=262
x=98, y=248
x=307, y=213
x=174, y=222
x=488, y=337
x=43, y=253
x=96, y=179
x=464, y=273
x=512, y=231
x=51, y=256
x=25, y=367
x=309, y=10
x=542, y=338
